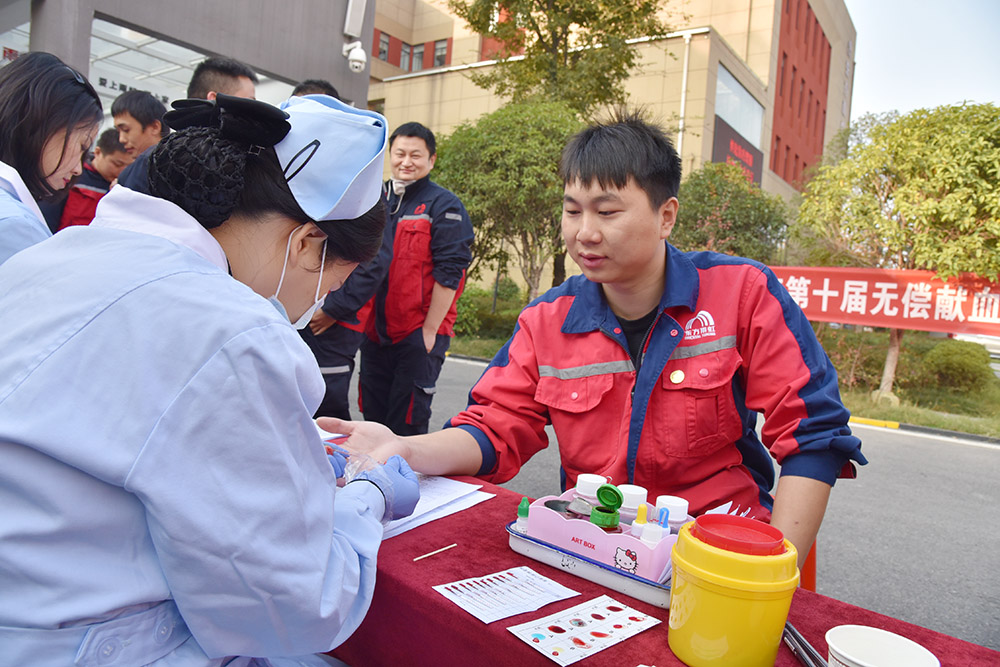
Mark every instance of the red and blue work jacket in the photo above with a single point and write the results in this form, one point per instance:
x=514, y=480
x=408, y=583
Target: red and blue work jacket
x=432, y=243
x=728, y=343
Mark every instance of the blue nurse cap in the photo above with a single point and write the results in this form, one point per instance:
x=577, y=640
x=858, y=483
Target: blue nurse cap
x=332, y=157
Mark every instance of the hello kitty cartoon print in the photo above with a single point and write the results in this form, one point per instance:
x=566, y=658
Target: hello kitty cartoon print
x=626, y=559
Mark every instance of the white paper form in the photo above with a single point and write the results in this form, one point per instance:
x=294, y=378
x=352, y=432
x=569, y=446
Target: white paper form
x=504, y=594
x=581, y=631
x=439, y=497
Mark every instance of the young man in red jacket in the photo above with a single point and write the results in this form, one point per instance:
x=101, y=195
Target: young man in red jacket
x=653, y=365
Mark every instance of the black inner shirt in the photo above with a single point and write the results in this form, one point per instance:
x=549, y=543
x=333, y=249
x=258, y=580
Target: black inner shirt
x=635, y=333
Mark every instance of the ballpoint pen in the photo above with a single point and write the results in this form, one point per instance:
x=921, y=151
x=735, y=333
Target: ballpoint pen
x=802, y=649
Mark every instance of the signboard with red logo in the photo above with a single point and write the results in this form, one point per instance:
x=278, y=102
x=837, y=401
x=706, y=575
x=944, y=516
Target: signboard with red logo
x=894, y=299
x=729, y=146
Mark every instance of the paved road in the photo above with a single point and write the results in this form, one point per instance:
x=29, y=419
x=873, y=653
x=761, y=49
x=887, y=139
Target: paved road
x=916, y=536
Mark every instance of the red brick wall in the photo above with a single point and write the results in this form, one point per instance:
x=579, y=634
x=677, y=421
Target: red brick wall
x=801, y=87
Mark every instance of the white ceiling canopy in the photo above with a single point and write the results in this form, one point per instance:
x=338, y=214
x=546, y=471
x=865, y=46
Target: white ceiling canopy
x=122, y=59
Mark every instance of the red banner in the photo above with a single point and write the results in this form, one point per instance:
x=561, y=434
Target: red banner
x=894, y=299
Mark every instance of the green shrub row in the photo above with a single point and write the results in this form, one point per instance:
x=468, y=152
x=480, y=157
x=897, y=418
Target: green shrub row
x=476, y=315
x=859, y=357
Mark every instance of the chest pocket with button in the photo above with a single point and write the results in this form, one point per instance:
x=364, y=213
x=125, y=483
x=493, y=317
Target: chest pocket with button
x=697, y=414
x=583, y=410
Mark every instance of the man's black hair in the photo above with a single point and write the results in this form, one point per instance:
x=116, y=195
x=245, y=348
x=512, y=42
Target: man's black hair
x=108, y=142
x=142, y=106
x=622, y=148
x=218, y=74
x=413, y=129
x=316, y=87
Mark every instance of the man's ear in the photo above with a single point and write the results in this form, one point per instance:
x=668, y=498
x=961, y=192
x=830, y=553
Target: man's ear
x=211, y=95
x=158, y=125
x=667, y=214
x=432, y=160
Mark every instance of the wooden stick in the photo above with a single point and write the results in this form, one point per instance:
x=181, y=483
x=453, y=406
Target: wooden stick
x=435, y=552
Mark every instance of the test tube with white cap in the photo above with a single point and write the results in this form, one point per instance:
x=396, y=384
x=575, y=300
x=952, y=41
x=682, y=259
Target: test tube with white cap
x=632, y=497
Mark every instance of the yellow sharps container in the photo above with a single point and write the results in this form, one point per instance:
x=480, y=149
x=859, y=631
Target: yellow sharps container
x=733, y=581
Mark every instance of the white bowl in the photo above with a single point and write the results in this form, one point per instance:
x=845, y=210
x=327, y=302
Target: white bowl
x=863, y=646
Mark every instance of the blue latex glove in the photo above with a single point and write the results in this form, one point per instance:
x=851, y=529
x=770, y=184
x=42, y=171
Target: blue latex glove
x=398, y=484
x=338, y=459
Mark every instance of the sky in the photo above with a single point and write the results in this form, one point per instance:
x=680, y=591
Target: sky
x=924, y=53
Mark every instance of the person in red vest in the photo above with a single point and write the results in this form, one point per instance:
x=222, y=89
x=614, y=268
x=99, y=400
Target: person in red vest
x=110, y=158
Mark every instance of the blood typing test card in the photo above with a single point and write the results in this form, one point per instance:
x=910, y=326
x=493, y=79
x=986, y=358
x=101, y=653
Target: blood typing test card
x=581, y=631
x=504, y=594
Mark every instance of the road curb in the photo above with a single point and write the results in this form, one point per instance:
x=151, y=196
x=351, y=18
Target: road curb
x=925, y=429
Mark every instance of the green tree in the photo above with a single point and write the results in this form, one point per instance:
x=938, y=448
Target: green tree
x=721, y=210
x=576, y=51
x=571, y=50
x=918, y=191
x=504, y=167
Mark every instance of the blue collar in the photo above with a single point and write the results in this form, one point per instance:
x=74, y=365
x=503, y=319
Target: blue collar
x=590, y=310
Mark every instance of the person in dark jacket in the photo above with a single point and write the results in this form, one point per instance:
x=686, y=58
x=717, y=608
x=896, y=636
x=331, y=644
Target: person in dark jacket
x=337, y=328
x=415, y=307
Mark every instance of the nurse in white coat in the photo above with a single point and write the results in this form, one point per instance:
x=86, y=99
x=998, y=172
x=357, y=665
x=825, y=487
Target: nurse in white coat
x=49, y=116
x=166, y=497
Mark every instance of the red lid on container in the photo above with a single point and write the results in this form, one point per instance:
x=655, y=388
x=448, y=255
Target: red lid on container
x=739, y=534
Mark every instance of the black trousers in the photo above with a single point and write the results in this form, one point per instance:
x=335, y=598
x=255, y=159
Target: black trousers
x=335, y=350
x=398, y=382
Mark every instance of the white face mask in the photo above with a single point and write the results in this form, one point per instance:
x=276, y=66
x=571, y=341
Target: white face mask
x=303, y=321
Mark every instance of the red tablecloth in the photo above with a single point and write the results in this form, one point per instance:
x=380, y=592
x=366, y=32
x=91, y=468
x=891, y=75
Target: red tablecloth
x=411, y=624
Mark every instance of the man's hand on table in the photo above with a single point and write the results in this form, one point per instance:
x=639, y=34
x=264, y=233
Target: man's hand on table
x=371, y=438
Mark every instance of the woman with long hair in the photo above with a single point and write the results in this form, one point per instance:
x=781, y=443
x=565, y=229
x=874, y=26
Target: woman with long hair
x=49, y=116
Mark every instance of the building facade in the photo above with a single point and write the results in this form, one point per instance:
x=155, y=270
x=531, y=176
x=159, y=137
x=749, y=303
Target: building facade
x=764, y=84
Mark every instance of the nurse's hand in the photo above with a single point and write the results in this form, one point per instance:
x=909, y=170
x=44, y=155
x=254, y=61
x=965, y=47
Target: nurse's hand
x=398, y=484
x=320, y=322
x=371, y=438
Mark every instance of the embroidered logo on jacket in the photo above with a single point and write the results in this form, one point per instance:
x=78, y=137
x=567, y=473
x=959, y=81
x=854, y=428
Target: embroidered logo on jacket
x=420, y=209
x=701, y=325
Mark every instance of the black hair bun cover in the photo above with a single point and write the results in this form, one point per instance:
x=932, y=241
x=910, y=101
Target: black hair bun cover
x=200, y=167
x=199, y=171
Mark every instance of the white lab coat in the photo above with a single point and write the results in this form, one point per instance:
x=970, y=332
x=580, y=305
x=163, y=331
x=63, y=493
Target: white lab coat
x=165, y=495
x=21, y=222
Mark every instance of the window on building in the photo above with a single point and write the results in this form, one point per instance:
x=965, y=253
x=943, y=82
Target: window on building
x=404, y=56
x=809, y=107
x=383, y=47
x=418, y=58
x=791, y=86
x=776, y=154
x=440, y=53
x=802, y=92
x=735, y=105
x=781, y=77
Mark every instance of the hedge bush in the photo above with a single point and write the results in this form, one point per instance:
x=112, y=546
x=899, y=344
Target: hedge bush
x=959, y=364
x=924, y=361
x=475, y=310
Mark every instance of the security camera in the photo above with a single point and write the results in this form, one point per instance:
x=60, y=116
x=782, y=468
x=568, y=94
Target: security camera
x=356, y=57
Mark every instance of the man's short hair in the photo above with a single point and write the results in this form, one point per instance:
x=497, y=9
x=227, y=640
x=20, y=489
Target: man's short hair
x=142, y=106
x=219, y=74
x=413, y=129
x=316, y=87
x=108, y=142
x=622, y=148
